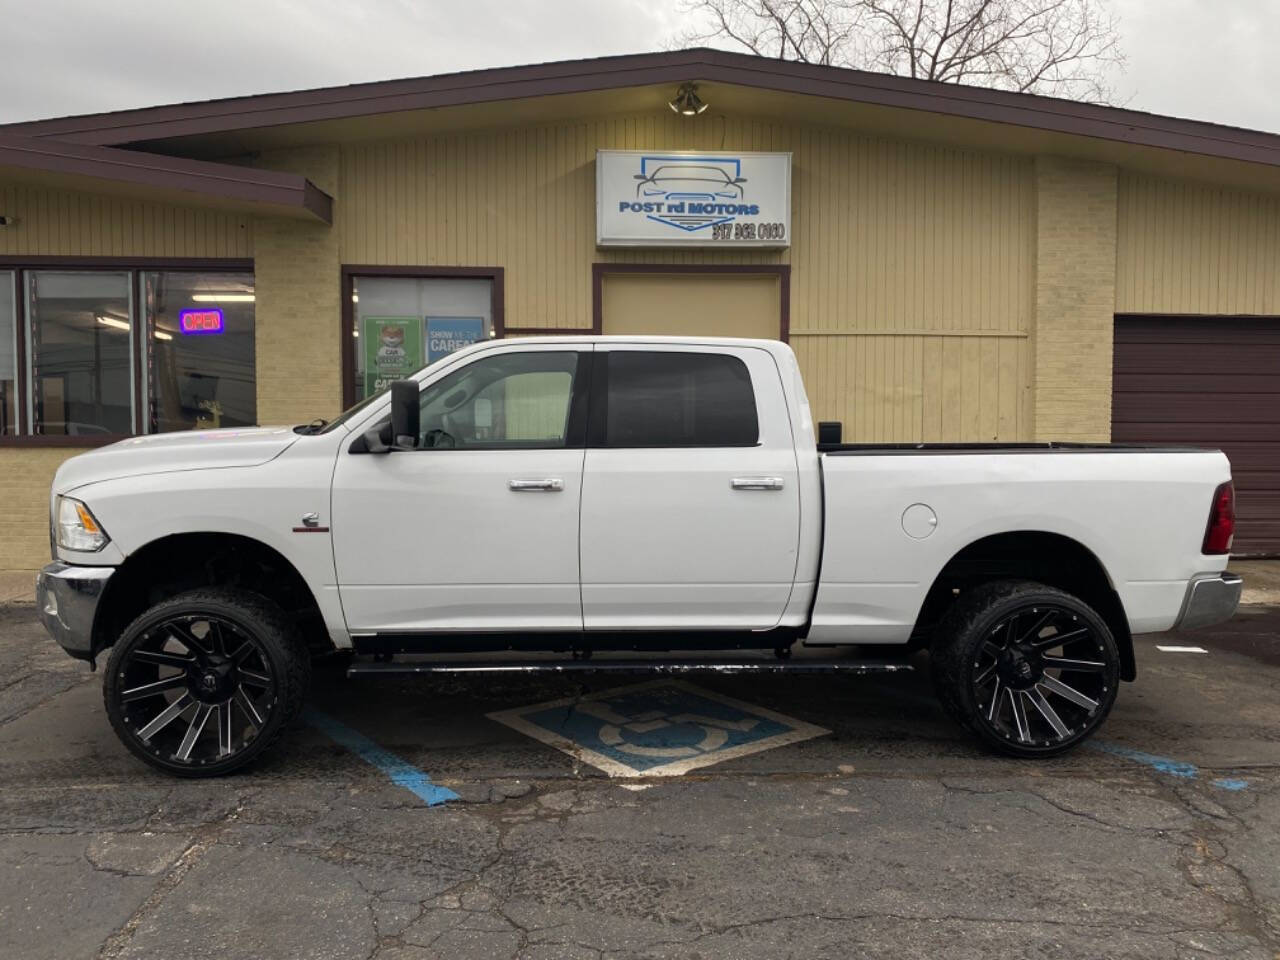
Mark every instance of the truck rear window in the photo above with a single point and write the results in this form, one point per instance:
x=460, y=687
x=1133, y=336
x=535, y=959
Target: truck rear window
x=669, y=399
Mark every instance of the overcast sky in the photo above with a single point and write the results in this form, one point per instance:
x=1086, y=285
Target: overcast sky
x=1206, y=59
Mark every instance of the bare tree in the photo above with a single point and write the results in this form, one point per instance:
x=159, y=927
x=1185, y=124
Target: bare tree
x=1062, y=48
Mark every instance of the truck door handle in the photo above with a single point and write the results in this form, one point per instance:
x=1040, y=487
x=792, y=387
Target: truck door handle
x=756, y=483
x=550, y=485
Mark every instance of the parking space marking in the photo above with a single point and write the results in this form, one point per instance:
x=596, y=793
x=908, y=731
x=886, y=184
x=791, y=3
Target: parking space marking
x=398, y=771
x=1230, y=783
x=1163, y=648
x=659, y=728
x=1175, y=768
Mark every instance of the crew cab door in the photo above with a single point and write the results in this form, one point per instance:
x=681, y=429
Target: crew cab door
x=690, y=502
x=477, y=528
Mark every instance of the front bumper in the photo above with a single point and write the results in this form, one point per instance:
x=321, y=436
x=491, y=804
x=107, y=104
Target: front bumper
x=67, y=598
x=1210, y=600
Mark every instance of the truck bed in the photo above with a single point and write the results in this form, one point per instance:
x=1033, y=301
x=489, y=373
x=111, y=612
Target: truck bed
x=894, y=515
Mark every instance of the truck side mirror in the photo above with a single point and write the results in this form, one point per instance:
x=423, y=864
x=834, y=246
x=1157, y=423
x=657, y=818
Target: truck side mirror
x=404, y=414
x=373, y=442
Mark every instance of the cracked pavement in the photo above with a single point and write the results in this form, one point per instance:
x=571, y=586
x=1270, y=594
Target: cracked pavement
x=894, y=837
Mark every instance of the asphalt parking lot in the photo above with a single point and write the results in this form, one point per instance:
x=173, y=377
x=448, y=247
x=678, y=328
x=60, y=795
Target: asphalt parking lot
x=890, y=836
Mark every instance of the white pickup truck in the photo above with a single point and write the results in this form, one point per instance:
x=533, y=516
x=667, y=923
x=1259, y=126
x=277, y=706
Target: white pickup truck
x=583, y=495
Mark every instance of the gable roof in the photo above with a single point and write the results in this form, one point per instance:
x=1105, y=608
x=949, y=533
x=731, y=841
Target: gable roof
x=611, y=73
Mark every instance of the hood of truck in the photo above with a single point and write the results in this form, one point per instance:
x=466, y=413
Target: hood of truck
x=166, y=452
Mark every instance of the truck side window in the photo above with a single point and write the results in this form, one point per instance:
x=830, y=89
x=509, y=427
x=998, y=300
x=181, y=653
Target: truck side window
x=509, y=401
x=668, y=399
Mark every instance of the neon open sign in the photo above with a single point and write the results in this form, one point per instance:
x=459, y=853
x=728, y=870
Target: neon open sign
x=200, y=321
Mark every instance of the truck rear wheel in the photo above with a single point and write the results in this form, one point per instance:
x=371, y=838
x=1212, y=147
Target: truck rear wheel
x=204, y=682
x=1030, y=669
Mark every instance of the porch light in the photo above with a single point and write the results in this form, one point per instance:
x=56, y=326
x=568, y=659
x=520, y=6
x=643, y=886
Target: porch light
x=687, y=103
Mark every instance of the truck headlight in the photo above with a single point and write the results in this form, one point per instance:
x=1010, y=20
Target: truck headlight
x=78, y=529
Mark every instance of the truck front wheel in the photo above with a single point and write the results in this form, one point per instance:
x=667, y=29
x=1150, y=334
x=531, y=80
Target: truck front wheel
x=1030, y=669
x=202, y=683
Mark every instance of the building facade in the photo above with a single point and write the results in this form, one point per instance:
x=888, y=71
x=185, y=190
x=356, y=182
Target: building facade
x=951, y=264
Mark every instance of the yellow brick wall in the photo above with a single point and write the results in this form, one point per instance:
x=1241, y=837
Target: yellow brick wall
x=297, y=278
x=1074, y=299
x=26, y=473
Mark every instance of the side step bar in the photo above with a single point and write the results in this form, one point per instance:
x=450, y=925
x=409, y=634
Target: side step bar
x=652, y=666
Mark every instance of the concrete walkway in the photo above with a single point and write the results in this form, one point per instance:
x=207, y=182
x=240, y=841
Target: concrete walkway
x=1261, y=580
x=17, y=587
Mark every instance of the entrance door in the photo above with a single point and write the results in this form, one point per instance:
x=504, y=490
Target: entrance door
x=690, y=499
x=477, y=529
x=692, y=304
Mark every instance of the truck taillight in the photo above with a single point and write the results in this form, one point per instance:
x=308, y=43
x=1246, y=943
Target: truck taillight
x=1222, y=520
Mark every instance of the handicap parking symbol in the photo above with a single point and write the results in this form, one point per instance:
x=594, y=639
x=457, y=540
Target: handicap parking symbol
x=661, y=728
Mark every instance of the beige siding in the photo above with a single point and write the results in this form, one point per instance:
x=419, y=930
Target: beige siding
x=1197, y=248
x=914, y=255
x=62, y=223
x=919, y=388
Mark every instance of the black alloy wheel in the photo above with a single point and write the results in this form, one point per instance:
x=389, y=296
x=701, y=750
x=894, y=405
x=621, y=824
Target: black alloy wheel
x=200, y=684
x=1030, y=669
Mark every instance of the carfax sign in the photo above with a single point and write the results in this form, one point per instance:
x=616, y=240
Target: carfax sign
x=392, y=350
x=447, y=334
x=685, y=199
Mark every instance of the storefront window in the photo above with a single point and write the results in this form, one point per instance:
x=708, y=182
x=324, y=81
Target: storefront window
x=200, y=350
x=8, y=356
x=404, y=323
x=81, y=339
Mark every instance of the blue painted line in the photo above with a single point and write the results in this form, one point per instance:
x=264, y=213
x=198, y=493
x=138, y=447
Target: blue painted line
x=1175, y=768
x=1186, y=771
x=1227, y=783
x=399, y=772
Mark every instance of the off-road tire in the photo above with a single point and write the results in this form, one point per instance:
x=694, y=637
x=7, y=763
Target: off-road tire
x=960, y=644
x=280, y=649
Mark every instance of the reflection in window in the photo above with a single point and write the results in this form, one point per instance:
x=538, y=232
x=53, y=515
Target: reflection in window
x=8, y=356
x=200, y=350
x=81, y=337
x=512, y=400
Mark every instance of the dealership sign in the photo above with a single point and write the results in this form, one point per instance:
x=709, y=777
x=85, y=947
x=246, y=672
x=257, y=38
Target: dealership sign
x=686, y=199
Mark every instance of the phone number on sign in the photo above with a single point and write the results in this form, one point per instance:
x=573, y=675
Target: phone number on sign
x=748, y=231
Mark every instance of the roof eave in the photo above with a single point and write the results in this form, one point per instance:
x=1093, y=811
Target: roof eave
x=608, y=73
x=248, y=188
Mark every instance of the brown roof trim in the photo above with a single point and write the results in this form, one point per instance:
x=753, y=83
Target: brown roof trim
x=221, y=180
x=607, y=73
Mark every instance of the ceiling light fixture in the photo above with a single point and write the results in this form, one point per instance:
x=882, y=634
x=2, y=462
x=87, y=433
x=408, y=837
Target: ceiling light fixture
x=223, y=297
x=161, y=335
x=113, y=322
x=687, y=103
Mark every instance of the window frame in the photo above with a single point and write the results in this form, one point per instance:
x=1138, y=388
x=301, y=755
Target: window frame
x=134, y=267
x=348, y=275
x=598, y=406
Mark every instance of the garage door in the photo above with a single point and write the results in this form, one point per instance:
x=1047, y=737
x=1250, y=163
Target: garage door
x=1213, y=382
x=697, y=304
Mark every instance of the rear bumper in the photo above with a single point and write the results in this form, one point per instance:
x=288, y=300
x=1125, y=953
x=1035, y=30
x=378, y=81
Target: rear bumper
x=1210, y=600
x=67, y=599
